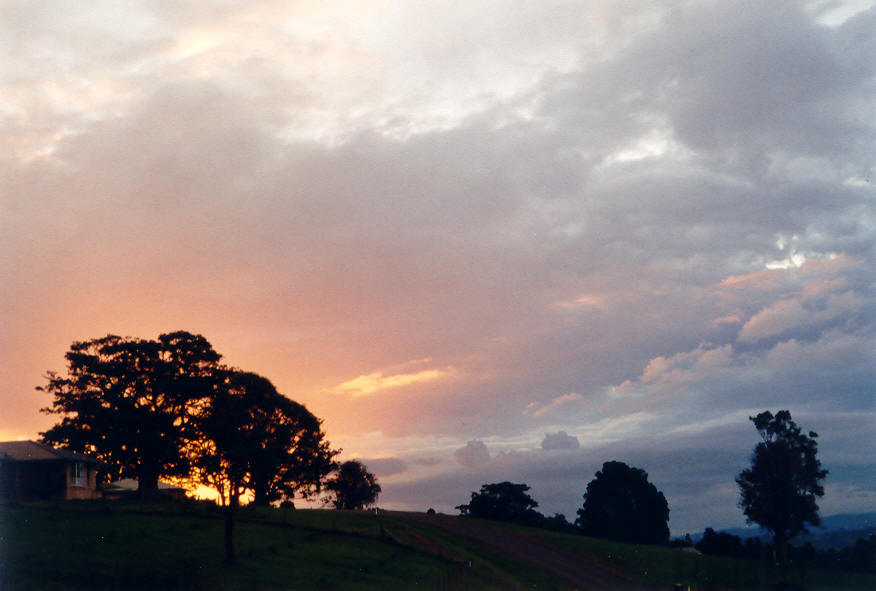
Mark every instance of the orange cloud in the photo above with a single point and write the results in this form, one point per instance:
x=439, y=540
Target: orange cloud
x=374, y=382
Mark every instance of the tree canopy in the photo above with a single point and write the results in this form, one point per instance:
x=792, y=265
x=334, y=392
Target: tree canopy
x=352, y=487
x=620, y=504
x=503, y=501
x=132, y=402
x=780, y=489
x=252, y=438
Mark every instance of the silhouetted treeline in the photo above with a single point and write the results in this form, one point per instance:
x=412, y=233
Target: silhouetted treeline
x=724, y=544
x=861, y=557
x=620, y=504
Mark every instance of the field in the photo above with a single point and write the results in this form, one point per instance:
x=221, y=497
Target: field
x=97, y=545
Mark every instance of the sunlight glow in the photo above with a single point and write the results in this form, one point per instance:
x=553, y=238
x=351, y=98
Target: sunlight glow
x=657, y=143
x=834, y=13
x=795, y=261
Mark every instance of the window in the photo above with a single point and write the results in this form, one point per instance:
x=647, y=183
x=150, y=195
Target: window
x=79, y=474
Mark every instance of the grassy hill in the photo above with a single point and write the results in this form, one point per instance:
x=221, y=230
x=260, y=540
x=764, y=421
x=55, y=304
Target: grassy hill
x=118, y=545
x=97, y=545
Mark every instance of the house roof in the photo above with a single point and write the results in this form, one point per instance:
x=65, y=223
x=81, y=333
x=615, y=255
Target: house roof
x=28, y=451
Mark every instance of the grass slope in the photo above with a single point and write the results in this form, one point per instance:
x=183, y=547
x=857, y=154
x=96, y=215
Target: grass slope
x=97, y=545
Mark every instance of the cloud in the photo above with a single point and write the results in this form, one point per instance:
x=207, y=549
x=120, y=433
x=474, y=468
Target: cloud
x=788, y=315
x=537, y=409
x=686, y=365
x=589, y=203
x=585, y=301
x=473, y=455
x=388, y=466
x=691, y=474
x=560, y=440
x=375, y=382
x=762, y=280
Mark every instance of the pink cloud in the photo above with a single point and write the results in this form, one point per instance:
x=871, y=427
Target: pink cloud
x=687, y=365
x=824, y=287
x=787, y=315
x=537, y=410
x=765, y=280
x=773, y=320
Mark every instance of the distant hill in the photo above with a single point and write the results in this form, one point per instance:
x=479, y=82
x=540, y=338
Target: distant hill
x=836, y=531
x=848, y=521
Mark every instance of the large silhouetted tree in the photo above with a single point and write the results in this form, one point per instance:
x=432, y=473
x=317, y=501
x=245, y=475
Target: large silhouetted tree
x=253, y=438
x=503, y=501
x=132, y=402
x=620, y=504
x=290, y=455
x=353, y=486
x=780, y=489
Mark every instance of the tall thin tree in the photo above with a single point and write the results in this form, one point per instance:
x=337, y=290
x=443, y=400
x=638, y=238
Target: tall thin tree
x=780, y=489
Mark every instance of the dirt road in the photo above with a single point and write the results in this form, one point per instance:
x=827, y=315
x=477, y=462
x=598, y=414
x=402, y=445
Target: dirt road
x=570, y=568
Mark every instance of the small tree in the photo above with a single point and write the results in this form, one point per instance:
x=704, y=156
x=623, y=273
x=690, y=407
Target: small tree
x=503, y=501
x=780, y=489
x=620, y=504
x=353, y=487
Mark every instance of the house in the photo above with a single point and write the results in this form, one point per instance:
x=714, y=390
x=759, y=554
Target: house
x=127, y=488
x=31, y=470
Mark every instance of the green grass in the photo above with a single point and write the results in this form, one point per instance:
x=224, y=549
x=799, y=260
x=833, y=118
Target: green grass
x=79, y=546
x=483, y=568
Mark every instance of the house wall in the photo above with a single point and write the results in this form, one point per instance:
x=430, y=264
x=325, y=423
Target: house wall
x=7, y=479
x=34, y=480
x=50, y=479
x=88, y=488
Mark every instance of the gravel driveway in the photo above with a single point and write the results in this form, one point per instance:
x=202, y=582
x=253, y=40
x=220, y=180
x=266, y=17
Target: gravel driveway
x=566, y=566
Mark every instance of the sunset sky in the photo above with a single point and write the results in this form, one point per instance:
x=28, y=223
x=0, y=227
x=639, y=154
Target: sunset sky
x=485, y=240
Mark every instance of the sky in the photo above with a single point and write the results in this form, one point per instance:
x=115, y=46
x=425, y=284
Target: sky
x=483, y=241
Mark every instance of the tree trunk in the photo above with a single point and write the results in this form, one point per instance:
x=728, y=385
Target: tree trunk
x=781, y=542
x=261, y=497
x=230, y=509
x=147, y=481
